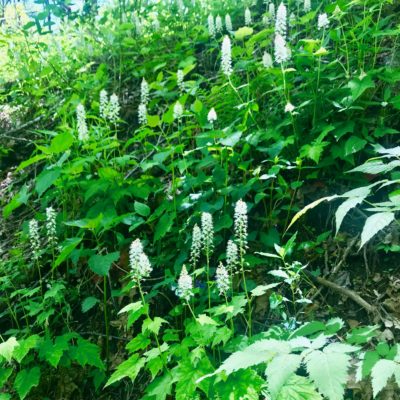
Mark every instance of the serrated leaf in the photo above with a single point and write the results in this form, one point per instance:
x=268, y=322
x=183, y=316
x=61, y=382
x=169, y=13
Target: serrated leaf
x=86, y=353
x=153, y=325
x=53, y=351
x=24, y=346
x=381, y=372
x=7, y=348
x=298, y=388
x=259, y=352
x=328, y=371
x=242, y=385
x=279, y=370
x=131, y=307
x=128, y=369
x=374, y=224
x=25, y=380
x=139, y=342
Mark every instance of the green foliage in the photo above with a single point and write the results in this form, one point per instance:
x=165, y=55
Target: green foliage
x=283, y=136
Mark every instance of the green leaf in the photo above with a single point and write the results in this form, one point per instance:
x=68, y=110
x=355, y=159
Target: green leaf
x=86, y=353
x=153, y=325
x=241, y=33
x=160, y=388
x=89, y=303
x=353, y=145
x=328, y=370
x=52, y=352
x=187, y=374
x=359, y=86
x=101, y=264
x=25, y=380
x=298, y=388
x=62, y=142
x=32, y=160
x=139, y=342
x=24, y=346
x=153, y=120
x=7, y=348
x=46, y=179
x=5, y=373
x=163, y=226
x=222, y=335
x=67, y=247
x=128, y=369
x=243, y=384
x=142, y=209
x=374, y=224
x=279, y=370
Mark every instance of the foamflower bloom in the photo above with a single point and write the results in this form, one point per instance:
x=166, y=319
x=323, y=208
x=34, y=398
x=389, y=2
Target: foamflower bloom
x=247, y=17
x=139, y=262
x=232, y=254
x=280, y=22
x=307, y=6
x=271, y=10
x=289, y=107
x=51, y=226
x=211, y=25
x=103, y=104
x=178, y=110
x=185, y=285
x=267, y=60
x=212, y=116
x=281, y=51
x=240, y=224
x=113, y=108
x=226, y=56
x=144, y=92
x=207, y=232
x=196, y=246
x=323, y=21
x=179, y=80
x=34, y=238
x=222, y=279
x=142, y=114
x=228, y=23
x=83, y=133
x=218, y=24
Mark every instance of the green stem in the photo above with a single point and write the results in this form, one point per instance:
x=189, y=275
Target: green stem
x=106, y=319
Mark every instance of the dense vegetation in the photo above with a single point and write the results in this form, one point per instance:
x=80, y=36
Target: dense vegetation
x=200, y=200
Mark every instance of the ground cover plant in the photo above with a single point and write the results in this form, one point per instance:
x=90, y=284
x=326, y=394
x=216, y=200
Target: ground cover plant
x=200, y=200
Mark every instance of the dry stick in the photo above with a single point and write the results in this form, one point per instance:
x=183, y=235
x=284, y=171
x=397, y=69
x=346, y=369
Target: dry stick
x=345, y=254
x=351, y=294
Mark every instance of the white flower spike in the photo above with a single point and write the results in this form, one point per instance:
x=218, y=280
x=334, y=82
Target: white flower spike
x=226, y=57
x=212, y=116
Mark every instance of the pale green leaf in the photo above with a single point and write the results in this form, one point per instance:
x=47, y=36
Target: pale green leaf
x=374, y=224
x=279, y=370
x=7, y=348
x=328, y=371
x=344, y=208
x=381, y=372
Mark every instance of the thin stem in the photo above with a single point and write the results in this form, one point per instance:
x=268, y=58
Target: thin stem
x=106, y=319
